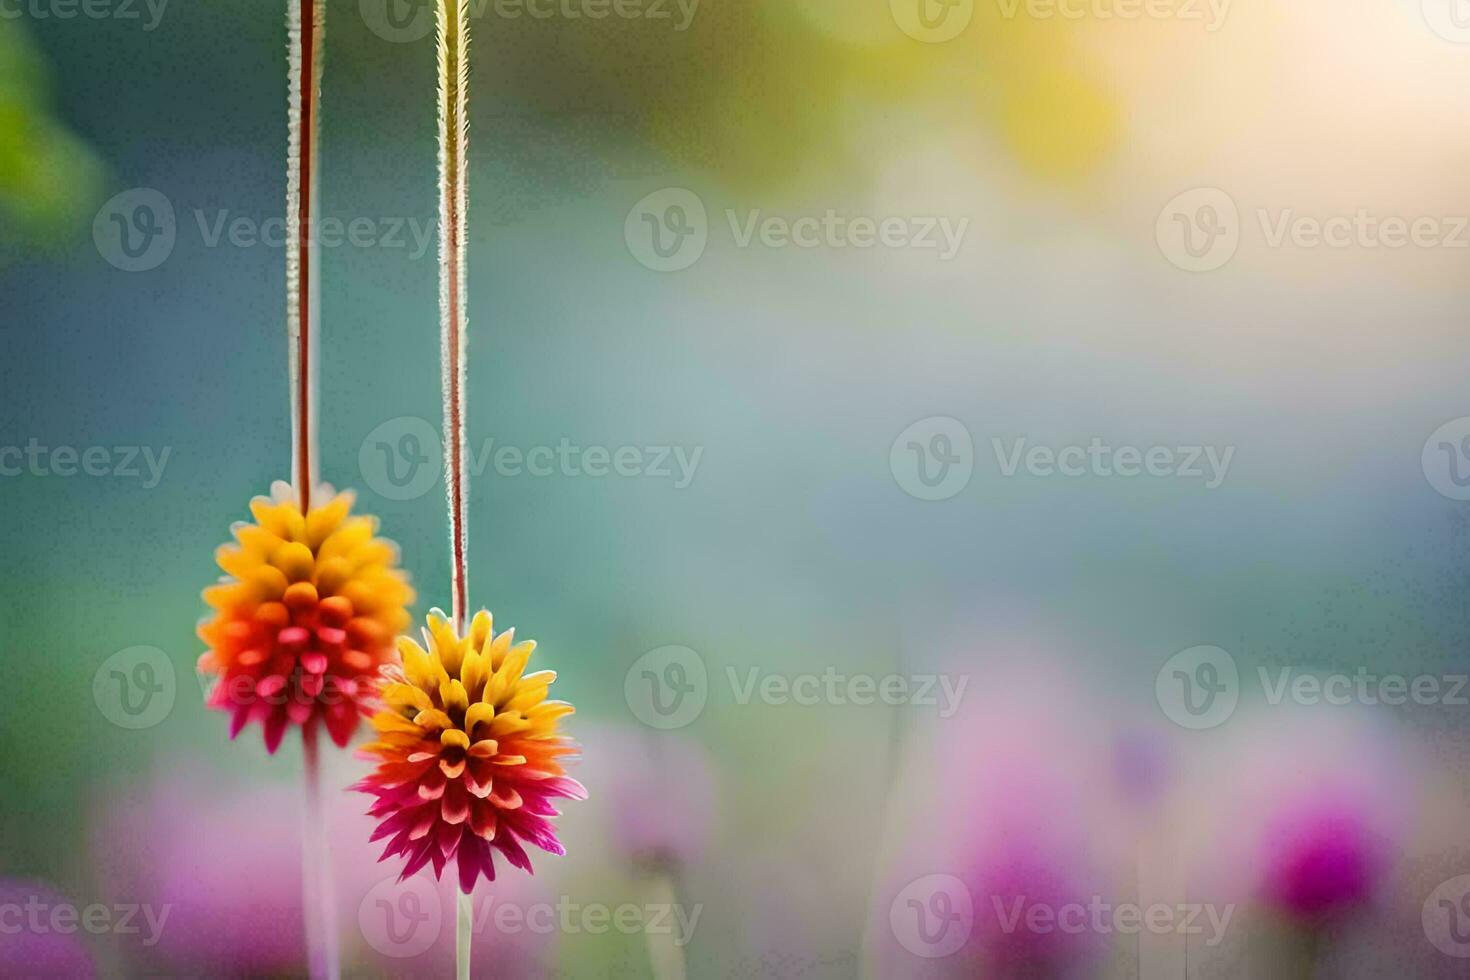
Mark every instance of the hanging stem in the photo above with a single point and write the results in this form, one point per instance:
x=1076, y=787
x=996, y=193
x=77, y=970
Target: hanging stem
x=305, y=27
x=306, y=22
x=454, y=46
x=454, y=43
x=318, y=901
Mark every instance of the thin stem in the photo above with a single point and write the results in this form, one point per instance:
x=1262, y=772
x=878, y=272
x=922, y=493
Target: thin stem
x=1161, y=878
x=463, y=931
x=318, y=901
x=454, y=43
x=306, y=24
x=665, y=954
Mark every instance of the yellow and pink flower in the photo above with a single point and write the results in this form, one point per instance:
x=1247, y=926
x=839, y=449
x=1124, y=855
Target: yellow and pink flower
x=469, y=756
x=305, y=618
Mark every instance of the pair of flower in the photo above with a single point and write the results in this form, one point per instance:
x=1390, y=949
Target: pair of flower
x=305, y=632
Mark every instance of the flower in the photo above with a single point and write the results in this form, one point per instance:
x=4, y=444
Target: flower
x=1012, y=802
x=469, y=758
x=305, y=618
x=1307, y=814
x=1322, y=855
x=223, y=856
x=661, y=792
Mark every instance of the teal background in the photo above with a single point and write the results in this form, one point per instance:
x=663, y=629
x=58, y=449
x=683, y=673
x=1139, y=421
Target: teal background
x=794, y=548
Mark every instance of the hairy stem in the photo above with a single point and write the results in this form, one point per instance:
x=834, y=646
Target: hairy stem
x=306, y=21
x=454, y=43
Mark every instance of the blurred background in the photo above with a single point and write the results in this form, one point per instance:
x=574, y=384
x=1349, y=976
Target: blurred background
x=1044, y=453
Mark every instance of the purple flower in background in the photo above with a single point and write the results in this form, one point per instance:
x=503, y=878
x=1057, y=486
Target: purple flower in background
x=1303, y=814
x=1142, y=765
x=1321, y=855
x=660, y=790
x=1006, y=840
x=226, y=856
x=228, y=862
x=32, y=945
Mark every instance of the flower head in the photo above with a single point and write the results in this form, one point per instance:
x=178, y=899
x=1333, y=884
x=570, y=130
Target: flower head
x=661, y=792
x=1322, y=856
x=469, y=758
x=305, y=618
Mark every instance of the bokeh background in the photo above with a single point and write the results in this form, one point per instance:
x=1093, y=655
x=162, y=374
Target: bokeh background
x=1335, y=544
